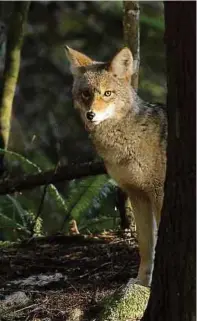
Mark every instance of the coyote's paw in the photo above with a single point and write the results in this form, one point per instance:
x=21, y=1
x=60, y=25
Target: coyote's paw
x=144, y=282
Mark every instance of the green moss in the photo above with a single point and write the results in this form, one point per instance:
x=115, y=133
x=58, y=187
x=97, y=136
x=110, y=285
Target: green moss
x=126, y=305
x=5, y=244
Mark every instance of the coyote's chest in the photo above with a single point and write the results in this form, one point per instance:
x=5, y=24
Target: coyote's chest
x=121, y=158
x=123, y=166
x=130, y=159
x=112, y=147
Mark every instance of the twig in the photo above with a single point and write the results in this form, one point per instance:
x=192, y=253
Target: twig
x=88, y=273
x=39, y=209
x=41, y=203
x=25, y=308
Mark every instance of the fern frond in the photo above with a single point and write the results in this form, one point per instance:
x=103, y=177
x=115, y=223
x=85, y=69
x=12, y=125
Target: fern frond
x=85, y=202
x=20, y=211
x=8, y=223
x=26, y=163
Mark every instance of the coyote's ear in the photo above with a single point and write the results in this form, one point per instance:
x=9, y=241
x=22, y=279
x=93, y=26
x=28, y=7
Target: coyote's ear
x=122, y=64
x=77, y=59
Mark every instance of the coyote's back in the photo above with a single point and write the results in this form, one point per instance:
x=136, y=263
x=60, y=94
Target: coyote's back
x=130, y=135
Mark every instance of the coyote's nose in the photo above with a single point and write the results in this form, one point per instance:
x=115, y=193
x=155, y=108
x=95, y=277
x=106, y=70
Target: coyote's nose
x=90, y=115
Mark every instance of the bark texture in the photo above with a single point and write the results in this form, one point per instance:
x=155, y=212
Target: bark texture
x=11, y=70
x=173, y=286
x=131, y=26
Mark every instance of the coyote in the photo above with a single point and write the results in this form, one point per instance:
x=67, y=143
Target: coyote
x=130, y=135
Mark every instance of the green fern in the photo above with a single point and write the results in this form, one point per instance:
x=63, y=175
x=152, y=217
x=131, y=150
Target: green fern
x=102, y=210
x=85, y=201
x=29, y=166
x=10, y=228
x=20, y=211
x=30, y=203
x=99, y=224
x=26, y=164
x=75, y=192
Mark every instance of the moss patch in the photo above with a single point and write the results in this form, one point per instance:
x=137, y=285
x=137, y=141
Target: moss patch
x=126, y=305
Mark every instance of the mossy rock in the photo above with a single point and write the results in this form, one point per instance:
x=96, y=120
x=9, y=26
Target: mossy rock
x=126, y=305
x=6, y=244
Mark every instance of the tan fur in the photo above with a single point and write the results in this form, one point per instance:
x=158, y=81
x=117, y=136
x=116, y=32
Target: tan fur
x=130, y=135
x=78, y=58
x=99, y=104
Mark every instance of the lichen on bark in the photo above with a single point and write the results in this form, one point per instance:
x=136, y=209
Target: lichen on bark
x=11, y=69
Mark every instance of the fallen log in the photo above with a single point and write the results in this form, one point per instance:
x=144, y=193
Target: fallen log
x=73, y=171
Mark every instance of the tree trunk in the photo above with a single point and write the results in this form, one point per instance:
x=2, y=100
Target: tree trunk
x=131, y=13
x=11, y=70
x=131, y=25
x=173, y=286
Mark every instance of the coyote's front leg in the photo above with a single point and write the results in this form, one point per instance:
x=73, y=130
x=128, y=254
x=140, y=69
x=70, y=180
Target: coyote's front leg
x=146, y=234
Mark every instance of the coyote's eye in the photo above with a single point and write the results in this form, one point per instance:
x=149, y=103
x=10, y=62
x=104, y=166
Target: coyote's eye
x=85, y=94
x=107, y=93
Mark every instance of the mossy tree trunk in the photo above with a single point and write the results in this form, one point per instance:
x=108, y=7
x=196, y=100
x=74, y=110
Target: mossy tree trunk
x=11, y=70
x=131, y=29
x=173, y=286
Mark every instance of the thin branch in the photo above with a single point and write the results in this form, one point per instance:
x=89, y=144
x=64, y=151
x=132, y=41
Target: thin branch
x=65, y=173
x=40, y=208
x=41, y=205
x=25, y=308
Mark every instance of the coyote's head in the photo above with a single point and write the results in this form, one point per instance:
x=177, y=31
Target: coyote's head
x=101, y=91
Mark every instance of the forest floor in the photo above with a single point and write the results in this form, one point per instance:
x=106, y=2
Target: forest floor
x=63, y=277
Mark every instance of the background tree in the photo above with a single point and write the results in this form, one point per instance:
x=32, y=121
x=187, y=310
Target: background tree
x=131, y=30
x=173, y=286
x=131, y=23
x=10, y=75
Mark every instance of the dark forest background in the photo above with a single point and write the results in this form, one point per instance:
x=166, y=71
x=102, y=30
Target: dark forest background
x=47, y=132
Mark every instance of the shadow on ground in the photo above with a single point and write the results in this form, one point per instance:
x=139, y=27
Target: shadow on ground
x=63, y=277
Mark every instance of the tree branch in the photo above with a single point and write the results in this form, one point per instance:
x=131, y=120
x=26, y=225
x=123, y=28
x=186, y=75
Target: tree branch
x=73, y=171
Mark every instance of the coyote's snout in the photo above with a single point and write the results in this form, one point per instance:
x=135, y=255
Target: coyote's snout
x=100, y=112
x=130, y=135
